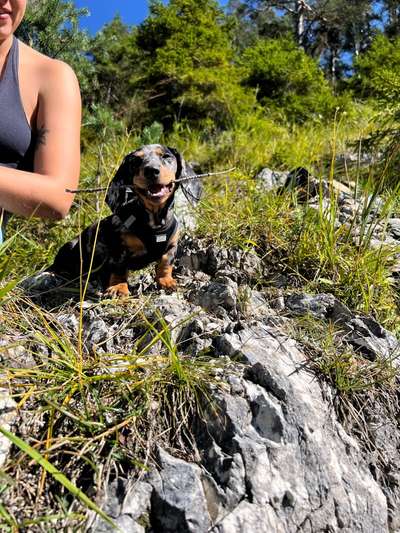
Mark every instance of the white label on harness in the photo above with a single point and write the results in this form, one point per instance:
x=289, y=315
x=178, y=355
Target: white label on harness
x=161, y=238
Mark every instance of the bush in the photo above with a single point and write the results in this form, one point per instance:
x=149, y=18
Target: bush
x=287, y=79
x=378, y=70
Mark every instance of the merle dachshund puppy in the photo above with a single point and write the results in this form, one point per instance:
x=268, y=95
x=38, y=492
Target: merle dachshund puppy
x=142, y=229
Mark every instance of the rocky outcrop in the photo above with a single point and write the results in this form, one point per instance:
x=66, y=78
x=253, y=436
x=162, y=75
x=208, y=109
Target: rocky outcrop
x=273, y=456
x=269, y=450
x=272, y=453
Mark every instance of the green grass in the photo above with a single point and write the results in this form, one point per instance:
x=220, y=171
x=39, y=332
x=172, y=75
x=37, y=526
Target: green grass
x=303, y=243
x=349, y=373
x=98, y=408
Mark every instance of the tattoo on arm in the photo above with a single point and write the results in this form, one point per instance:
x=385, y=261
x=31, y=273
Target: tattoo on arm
x=41, y=137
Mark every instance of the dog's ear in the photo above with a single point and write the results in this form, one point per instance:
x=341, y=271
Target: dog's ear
x=192, y=188
x=121, y=191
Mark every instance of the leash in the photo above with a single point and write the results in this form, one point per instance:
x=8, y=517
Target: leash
x=195, y=177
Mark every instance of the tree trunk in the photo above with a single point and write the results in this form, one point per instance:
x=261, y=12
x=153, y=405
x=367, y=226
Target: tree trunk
x=300, y=10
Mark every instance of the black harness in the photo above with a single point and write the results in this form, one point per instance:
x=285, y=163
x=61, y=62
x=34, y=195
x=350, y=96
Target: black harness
x=154, y=231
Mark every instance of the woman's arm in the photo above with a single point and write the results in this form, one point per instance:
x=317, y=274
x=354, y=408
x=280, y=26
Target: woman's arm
x=57, y=152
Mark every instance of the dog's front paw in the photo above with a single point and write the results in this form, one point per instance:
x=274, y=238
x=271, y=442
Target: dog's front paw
x=168, y=283
x=117, y=291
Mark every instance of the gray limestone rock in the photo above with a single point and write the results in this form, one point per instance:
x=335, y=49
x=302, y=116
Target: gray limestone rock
x=8, y=415
x=239, y=265
x=271, y=454
x=178, y=500
x=319, y=305
x=293, y=476
x=368, y=336
x=270, y=180
x=218, y=297
x=394, y=227
x=364, y=333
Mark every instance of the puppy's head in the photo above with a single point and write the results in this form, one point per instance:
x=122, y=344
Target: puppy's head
x=150, y=173
x=155, y=169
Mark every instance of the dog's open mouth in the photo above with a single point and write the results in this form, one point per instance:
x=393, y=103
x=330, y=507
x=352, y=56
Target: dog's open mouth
x=158, y=190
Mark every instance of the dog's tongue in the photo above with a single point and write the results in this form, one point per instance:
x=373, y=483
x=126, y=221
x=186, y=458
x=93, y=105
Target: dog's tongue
x=158, y=190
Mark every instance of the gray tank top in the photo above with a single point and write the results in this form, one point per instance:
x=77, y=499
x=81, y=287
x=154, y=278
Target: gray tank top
x=16, y=137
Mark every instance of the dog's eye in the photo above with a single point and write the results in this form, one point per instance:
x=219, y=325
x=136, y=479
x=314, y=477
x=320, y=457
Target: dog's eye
x=166, y=156
x=135, y=162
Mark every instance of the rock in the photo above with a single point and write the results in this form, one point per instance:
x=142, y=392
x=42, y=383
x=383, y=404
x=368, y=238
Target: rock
x=247, y=517
x=8, y=415
x=266, y=451
x=15, y=355
x=322, y=306
x=41, y=282
x=218, y=297
x=394, y=227
x=270, y=180
x=252, y=304
x=178, y=500
x=240, y=266
x=318, y=306
x=124, y=505
x=184, y=211
x=137, y=501
x=293, y=478
x=363, y=333
x=96, y=332
x=369, y=337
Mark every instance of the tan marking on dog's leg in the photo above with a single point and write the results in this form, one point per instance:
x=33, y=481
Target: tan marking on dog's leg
x=117, y=286
x=164, y=277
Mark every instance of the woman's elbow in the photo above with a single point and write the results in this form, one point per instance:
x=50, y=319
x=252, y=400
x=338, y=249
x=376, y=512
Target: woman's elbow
x=59, y=210
x=59, y=214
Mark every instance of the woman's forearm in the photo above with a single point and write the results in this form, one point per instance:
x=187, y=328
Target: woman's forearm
x=32, y=194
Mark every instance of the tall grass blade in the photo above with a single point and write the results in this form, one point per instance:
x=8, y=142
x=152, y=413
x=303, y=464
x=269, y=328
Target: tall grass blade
x=57, y=475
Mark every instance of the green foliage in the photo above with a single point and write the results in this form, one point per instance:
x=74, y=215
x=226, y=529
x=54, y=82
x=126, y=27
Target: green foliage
x=99, y=408
x=378, y=79
x=52, y=28
x=378, y=70
x=190, y=71
x=335, y=360
x=303, y=242
x=287, y=79
x=118, y=64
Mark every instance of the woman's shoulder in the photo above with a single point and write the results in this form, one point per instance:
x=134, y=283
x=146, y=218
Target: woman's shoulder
x=47, y=71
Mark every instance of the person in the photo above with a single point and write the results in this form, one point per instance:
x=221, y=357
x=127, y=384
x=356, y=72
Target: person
x=40, y=118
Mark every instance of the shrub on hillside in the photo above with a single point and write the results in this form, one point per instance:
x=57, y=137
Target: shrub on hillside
x=287, y=79
x=378, y=70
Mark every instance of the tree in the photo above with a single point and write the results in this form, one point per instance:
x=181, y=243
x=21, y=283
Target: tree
x=389, y=11
x=377, y=71
x=331, y=31
x=286, y=78
x=190, y=73
x=273, y=16
x=118, y=65
x=52, y=27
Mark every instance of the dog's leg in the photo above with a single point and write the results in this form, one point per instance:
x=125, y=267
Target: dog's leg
x=164, y=277
x=117, y=286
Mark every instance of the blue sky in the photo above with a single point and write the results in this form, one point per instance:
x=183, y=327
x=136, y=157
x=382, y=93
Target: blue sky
x=102, y=11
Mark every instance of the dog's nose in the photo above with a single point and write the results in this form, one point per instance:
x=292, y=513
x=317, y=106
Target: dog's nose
x=151, y=173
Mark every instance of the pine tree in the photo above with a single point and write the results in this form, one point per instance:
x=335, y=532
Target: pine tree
x=52, y=27
x=190, y=72
x=331, y=31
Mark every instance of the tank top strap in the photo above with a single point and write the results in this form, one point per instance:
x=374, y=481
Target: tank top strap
x=10, y=74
